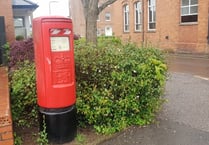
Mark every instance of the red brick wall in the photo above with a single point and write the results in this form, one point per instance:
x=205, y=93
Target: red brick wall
x=170, y=33
x=102, y=23
x=6, y=133
x=6, y=11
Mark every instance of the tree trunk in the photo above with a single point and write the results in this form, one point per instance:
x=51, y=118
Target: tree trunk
x=91, y=26
x=91, y=12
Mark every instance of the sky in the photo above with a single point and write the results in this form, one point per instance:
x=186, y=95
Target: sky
x=51, y=7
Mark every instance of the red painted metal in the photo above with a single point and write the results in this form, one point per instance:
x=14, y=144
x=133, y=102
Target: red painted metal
x=54, y=59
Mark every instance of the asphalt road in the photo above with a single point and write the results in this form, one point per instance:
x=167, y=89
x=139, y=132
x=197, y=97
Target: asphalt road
x=184, y=119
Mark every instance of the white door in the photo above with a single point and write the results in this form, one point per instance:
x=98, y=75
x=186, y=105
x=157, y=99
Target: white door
x=108, y=31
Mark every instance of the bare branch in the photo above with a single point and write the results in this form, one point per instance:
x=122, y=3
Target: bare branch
x=105, y=4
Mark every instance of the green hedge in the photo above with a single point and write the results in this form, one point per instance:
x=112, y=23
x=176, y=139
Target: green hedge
x=118, y=85
x=22, y=82
x=23, y=94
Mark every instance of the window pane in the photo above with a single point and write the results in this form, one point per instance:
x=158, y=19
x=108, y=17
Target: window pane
x=185, y=11
x=185, y=2
x=154, y=14
x=126, y=28
x=18, y=22
x=189, y=18
x=126, y=18
x=138, y=27
x=193, y=10
x=193, y=2
x=149, y=2
x=137, y=18
x=153, y=2
x=150, y=16
x=152, y=25
x=127, y=8
x=107, y=16
x=138, y=5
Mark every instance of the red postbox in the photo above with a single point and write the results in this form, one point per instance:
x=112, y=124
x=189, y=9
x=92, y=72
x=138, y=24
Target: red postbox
x=54, y=57
x=55, y=76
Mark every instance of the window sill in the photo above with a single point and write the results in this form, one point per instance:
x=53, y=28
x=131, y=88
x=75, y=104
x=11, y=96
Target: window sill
x=188, y=23
x=137, y=31
x=151, y=31
x=126, y=32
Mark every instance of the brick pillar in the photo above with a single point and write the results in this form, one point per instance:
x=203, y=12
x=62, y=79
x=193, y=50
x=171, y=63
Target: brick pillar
x=6, y=132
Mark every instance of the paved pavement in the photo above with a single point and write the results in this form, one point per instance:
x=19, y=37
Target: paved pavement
x=184, y=119
x=195, y=65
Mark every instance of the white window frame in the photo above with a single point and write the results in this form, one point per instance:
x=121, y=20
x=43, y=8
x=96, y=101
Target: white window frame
x=189, y=7
x=138, y=14
x=152, y=6
x=21, y=22
x=106, y=16
x=126, y=18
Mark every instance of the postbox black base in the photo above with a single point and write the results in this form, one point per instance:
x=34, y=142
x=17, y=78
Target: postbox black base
x=61, y=124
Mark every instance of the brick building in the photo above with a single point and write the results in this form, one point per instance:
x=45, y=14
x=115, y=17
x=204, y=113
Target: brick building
x=7, y=13
x=77, y=15
x=15, y=18
x=106, y=21
x=177, y=25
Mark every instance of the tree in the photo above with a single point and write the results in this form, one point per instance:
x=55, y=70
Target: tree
x=91, y=12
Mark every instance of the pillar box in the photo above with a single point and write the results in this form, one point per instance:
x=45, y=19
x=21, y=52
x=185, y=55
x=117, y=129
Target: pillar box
x=55, y=76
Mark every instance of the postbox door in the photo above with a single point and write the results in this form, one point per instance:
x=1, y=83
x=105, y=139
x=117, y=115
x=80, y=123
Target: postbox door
x=59, y=65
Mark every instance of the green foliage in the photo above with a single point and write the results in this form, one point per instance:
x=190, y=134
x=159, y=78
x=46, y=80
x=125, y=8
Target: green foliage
x=80, y=138
x=118, y=85
x=17, y=139
x=6, y=51
x=42, y=138
x=19, y=37
x=23, y=94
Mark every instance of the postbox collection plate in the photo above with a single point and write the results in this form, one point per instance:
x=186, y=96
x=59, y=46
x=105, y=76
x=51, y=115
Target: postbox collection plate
x=59, y=44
